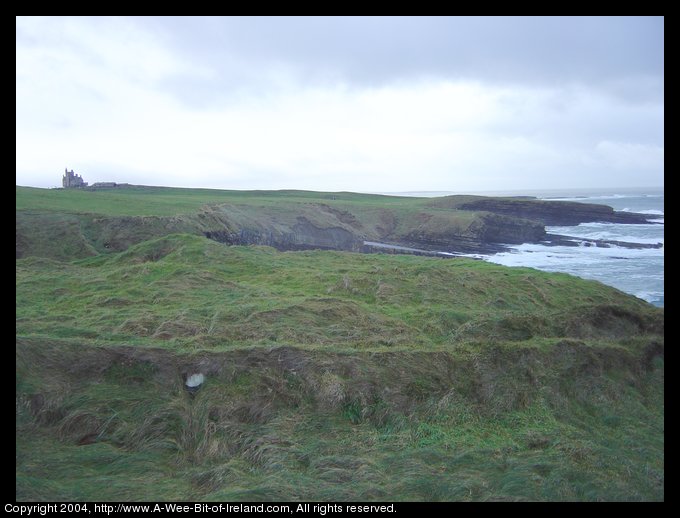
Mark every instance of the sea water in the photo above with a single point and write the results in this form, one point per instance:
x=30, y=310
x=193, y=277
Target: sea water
x=639, y=272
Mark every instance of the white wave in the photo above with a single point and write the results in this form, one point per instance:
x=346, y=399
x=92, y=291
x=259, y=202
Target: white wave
x=606, y=236
x=654, y=297
x=639, y=278
x=575, y=258
x=656, y=212
x=599, y=197
x=643, y=234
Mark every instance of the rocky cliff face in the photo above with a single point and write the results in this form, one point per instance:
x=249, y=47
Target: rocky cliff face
x=486, y=233
x=455, y=224
x=497, y=228
x=558, y=213
x=302, y=236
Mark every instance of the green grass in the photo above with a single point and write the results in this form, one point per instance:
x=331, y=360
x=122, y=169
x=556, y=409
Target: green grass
x=171, y=201
x=329, y=375
x=188, y=292
x=64, y=224
x=284, y=424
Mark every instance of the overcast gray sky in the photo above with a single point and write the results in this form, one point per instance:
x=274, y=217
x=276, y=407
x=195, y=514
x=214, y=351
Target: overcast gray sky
x=358, y=104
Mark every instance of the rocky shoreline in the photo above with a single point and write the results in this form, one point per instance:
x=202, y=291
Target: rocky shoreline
x=498, y=224
x=555, y=213
x=444, y=227
x=560, y=240
x=508, y=221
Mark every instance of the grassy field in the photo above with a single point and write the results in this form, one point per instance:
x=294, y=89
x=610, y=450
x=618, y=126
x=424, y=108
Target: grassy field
x=187, y=291
x=287, y=424
x=172, y=201
x=329, y=375
x=65, y=224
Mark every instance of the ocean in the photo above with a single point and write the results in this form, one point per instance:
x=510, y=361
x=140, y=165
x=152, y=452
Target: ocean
x=639, y=272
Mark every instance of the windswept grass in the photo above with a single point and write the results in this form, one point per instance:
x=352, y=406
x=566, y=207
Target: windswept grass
x=172, y=201
x=187, y=292
x=328, y=375
x=285, y=424
x=86, y=222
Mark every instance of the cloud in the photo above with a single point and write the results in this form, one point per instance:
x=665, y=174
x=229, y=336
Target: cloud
x=265, y=52
x=630, y=156
x=340, y=104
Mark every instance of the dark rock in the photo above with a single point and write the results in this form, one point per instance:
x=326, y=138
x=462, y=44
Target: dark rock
x=304, y=235
x=560, y=240
x=495, y=228
x=556, y=213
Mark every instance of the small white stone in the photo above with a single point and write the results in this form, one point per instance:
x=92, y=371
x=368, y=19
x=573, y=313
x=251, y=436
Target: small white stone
x=195, y=380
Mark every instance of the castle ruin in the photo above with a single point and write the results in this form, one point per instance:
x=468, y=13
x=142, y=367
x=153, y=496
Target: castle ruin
x=71, y=180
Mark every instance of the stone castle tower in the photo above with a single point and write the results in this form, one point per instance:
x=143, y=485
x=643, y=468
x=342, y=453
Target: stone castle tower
x=72, y=180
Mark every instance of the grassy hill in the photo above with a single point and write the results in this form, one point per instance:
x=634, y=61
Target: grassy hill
x=329, y=375
x=80, y=223
x=171, y=201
